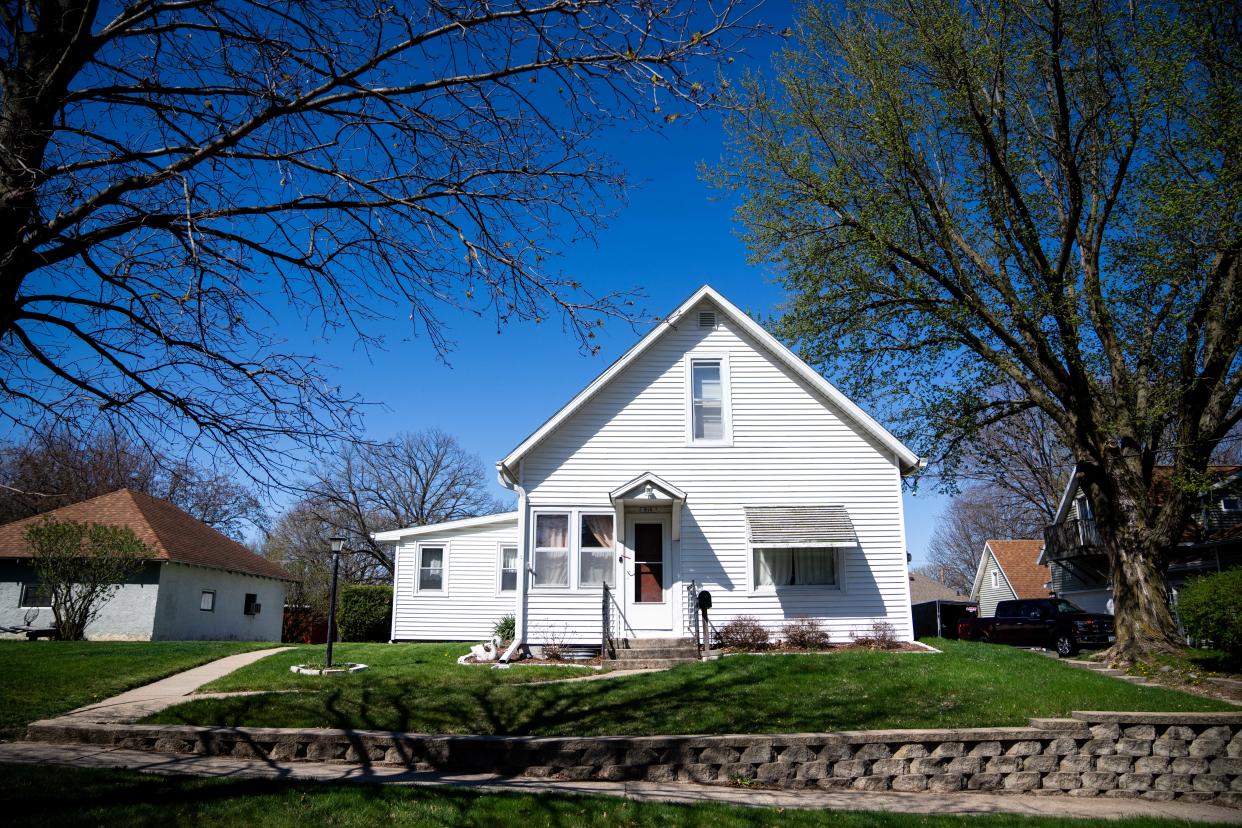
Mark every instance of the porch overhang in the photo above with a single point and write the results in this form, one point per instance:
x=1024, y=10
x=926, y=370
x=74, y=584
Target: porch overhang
x=647, y=490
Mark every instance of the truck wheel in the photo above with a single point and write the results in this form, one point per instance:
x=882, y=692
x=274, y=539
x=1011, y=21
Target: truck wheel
x=1066, y=645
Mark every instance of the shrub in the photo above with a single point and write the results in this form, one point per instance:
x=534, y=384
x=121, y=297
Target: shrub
x=881, y=636
x=744, y=633
x=365, y=613
x=806, y=633
x=506, y=628
x=1211, y=609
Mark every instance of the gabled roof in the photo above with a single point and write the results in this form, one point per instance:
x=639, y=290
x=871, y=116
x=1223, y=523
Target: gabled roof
x=907, y=460
x=169, y=532
x=1018, y=563
x=463, y=523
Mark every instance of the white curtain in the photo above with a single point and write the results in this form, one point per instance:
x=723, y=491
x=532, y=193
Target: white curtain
x=815, y=566
x=597, y=531
x=431, y=571
x=552, y=567
x=773, y=567
x=552, y=531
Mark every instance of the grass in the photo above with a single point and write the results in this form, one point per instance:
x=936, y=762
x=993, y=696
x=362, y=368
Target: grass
x=108, y=797
x=418, y=688
x=41, y=679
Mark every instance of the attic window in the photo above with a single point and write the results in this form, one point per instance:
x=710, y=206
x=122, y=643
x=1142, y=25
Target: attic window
x=707, y=398
x=707, y=320
x=1231, y=504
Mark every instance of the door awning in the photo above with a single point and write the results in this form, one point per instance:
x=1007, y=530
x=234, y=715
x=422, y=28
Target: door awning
x=828, y=526
x=648, y=490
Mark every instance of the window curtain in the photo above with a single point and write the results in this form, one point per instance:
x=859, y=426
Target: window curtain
x=552, y=531
x=773, y=567
x=552, y=567
x=597, y=531
x=815, y=566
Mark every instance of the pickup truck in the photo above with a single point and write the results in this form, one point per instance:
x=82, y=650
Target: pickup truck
x=1053, y=623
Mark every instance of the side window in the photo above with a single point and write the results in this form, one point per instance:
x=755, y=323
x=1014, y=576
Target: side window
x=508, y=568
x=551, y=550
x=431, y=569
x=252, y=605
x=207, y=600
x=34, y=596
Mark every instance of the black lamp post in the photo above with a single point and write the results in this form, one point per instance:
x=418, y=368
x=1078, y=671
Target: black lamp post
x=338, y=543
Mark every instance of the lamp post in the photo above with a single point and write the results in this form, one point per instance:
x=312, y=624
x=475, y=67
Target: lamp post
x=338, y=543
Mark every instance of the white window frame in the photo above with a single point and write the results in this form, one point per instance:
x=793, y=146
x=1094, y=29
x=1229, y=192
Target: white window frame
x=576, y=551
x=570, y=566
x=837, y=550
x=995, y=579
x=501, y=592
x=443, y=546
x=726, y=408
x=210, y=592
x=1237, y=503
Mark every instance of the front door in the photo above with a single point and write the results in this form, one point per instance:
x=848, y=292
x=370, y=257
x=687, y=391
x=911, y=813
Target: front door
x=648, y=576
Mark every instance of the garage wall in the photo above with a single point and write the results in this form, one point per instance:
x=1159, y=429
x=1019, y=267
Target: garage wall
x=178, y=617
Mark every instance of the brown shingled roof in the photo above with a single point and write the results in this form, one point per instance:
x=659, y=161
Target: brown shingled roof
x=169, y=532
x=923, y=589
x=1017, y=560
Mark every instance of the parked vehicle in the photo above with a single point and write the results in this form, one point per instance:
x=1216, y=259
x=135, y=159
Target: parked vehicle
x=1053, y=623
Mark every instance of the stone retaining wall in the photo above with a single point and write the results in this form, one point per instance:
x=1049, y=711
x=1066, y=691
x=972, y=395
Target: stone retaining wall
x=1187, y=756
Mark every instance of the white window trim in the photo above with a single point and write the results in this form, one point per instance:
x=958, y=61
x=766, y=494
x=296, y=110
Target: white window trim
x=500, y=562
x=798, y=589
x=213, y=600
x=444, y=570
x=570, y=567
x=995, y=579
x=576, y=545
x=726, y=407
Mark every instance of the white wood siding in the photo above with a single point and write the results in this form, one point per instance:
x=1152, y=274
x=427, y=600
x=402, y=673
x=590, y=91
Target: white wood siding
x=472, y=603
x=990, y=596
x=789, y=447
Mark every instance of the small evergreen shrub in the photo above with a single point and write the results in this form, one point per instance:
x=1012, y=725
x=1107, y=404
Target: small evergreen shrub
x=805, y=633
x=744, y=633
x=1211, y=609
x=506, y=628
x=365, y=613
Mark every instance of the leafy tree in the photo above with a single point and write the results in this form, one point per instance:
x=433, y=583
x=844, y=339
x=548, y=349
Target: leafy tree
x=981, y=210
x=50, y=470
x=82, y=566
x=174, y=171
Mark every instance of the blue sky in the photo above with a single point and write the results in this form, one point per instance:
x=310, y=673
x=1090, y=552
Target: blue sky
x=672, y=236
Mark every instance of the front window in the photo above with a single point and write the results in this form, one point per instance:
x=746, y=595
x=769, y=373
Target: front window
x=551, y=550
x=508, y=568
x=35, y=596
x=431, y=569
x=595, y=551
x=707, y=400
x=781, y=567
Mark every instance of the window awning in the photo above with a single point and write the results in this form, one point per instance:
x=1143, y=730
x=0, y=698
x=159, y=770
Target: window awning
x=828, y=526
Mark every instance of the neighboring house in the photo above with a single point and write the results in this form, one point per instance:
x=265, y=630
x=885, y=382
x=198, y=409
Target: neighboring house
x=935, y=607
x=708, y=457
x=1075, y=552
x=198, y=584
x=1009, y=569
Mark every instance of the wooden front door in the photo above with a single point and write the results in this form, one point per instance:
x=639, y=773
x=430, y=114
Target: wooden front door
x=648, y=575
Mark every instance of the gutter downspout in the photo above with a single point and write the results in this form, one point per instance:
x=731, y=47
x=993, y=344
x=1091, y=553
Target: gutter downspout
x=507, y=479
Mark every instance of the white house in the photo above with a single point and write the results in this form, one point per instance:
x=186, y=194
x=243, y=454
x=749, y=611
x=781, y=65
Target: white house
x=708, y=457
x=196, y=585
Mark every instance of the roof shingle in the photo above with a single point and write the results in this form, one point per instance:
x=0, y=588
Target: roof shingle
x=170, y=533
x=1017, y=560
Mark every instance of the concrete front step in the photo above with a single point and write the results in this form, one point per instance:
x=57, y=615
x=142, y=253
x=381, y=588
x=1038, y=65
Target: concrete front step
x=658, y=652
x=648, y=663
x=654, y=643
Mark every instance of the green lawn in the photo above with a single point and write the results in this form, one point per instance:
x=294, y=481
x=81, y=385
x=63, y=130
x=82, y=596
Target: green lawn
x=105, y=797
x=46, y=678
x=417, y=687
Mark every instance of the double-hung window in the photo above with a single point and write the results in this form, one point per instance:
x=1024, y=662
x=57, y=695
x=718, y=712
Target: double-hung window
x=551, y=550
x=777, y=567
x=431, y=569
x=708, y=415
x=508, y=568
x=595, y=549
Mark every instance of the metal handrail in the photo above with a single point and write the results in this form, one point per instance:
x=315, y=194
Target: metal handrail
x=692, y=606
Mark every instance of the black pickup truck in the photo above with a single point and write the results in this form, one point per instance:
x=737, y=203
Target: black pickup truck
x=1053, y=623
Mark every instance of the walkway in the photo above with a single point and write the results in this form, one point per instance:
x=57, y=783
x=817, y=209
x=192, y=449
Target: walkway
x=152, y=698
x=90, y=756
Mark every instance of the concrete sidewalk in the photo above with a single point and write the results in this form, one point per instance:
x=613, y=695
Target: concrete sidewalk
x=154, y=697
x=89, y=756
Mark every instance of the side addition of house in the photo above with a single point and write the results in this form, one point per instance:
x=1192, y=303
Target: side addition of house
x=708, y=457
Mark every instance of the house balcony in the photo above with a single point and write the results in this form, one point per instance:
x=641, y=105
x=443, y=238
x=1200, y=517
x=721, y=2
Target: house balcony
x=1072, y=539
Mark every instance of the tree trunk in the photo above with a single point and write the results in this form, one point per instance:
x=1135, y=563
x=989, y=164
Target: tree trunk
x=1144, y=623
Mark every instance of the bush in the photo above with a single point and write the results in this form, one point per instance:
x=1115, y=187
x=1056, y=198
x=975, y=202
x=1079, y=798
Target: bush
x=881, y=636
x=506, y=628
x=1211, y=609
x=744, y=633
x=365, y=613
x=806, y=633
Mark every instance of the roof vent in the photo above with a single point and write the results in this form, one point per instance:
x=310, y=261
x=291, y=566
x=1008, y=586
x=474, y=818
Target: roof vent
x=707, y=319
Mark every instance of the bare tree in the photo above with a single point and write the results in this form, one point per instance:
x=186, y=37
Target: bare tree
x=81, y=566
x=979, y=513
x=175, y=173
x=50, y=470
